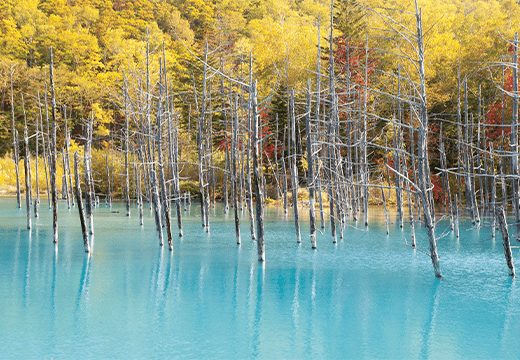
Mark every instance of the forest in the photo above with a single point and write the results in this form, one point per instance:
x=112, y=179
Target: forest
x=339, y=105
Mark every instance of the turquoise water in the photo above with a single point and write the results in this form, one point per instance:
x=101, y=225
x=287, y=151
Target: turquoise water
x=369, y=296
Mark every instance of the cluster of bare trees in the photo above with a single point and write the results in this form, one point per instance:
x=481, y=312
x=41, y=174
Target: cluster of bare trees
x=326, y=143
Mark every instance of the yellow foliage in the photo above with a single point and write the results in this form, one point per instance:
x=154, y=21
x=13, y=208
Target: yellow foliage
x=8, y=175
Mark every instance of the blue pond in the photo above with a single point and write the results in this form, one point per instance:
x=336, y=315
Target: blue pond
x=369, y=296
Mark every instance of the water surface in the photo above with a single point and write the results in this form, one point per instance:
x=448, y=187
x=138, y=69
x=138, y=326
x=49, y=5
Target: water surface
x=369, y=296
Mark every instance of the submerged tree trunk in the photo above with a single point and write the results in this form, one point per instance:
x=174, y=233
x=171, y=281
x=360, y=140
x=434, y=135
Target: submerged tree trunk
x=15, y=144
x=67, y=160
x=89, y=196
x=201, y=147
x=310, y=160
x=45, y=157
x=80, y=204
x=514, y=141
x=165, y=201
x=234, y=175
x=294, y=170
x=225, y=194
x=256, y=177
x=127, y=176
x=248, y=157
x=53, y=165
x=423, y=171
x=176, y=183
x=28, y=187
x=505, y=241
x=140, y=197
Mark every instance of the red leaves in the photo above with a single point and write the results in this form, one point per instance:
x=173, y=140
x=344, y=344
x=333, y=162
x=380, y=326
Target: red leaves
x=500, y=113
x=351, y=58
x=493, y=120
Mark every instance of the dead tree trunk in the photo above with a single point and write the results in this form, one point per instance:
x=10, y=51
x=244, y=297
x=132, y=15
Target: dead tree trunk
x=177, y=182
x=234, y=175
x=294, y=170
x=284, y=170
x=331, y=137
x=127, y=176
x=28, y=187
x=164, y=198
x=225, y=193
x=317, y=115
x=202, y=115
x=54, y=190
x=89, y=196
x=410, y=208
x=397, y=153
x=80, y=204
x=310, y=160
x=384, y=207
x=505, y=241
x=366, y=174
x=514, y=140
x=248, y=157
x=470, y=195
x=140, y=197
x=37, y=140
x=423, y=172
x=493, y=204
x=45, y=157
x=15, y=145
x=256, y=177
x=67, y=159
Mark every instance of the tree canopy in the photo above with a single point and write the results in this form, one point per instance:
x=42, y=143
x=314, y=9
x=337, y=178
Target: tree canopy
x=95, y=42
